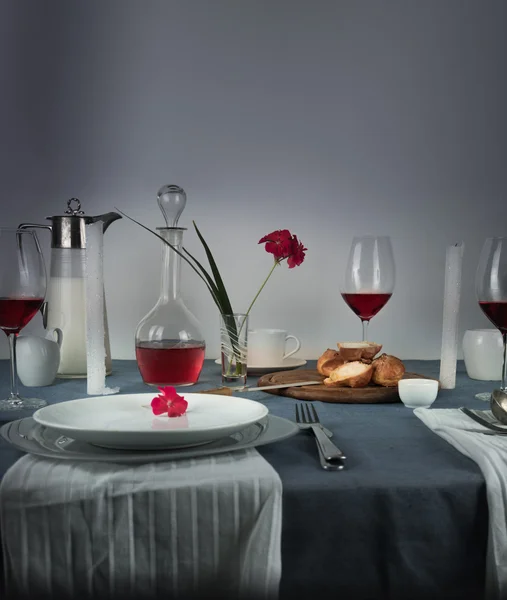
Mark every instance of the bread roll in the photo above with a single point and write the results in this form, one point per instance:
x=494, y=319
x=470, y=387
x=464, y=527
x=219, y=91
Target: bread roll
x=358, y=350
x=387, y=370
x=354, y=374
x=329, y=361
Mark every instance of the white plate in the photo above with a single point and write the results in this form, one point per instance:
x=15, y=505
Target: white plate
x=126, y=421
x=287, y=365
x=29, y=436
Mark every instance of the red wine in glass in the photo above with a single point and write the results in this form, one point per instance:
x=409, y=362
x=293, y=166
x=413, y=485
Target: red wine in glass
x=15, y=313
x=491, y=290
x=22, y=291
x=496, y=313
x=170, y=362
x=369, y=277
x=366, y=305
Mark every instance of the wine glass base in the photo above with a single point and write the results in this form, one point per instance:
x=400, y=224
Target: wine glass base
x=484, y=396
x=21, y=404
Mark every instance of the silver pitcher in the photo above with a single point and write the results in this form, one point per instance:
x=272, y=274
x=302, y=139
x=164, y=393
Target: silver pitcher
x=65, y=306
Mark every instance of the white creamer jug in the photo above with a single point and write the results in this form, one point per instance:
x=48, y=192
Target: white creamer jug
x=38, y=358
x=65, y=307
x=483, y=354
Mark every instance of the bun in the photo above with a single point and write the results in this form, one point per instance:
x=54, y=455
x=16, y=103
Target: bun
x=387, y=370
x=354, y=365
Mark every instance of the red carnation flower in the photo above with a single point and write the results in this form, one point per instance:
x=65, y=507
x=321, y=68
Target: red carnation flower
x=169, y=402
x=283, y=245
x=278, y=243
x=297, y=253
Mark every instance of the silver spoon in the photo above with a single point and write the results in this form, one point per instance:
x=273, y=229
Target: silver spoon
x=498, y=404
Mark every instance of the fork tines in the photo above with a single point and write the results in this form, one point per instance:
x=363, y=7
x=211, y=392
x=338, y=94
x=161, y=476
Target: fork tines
x=306, y=416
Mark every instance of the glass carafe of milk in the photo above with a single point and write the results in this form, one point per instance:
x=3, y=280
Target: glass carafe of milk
x=65, y=306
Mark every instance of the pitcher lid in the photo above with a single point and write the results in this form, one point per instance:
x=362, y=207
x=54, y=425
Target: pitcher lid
x=68, y=230
x=73, y=209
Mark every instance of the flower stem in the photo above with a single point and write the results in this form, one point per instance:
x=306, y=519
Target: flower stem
x=262, y=287
x=238, y=365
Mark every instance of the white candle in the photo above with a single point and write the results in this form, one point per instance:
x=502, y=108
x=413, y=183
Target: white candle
x=452, y=294
x=95, y=331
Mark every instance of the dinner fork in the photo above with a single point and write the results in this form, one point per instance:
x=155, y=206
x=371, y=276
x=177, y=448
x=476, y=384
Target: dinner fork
x=308, y=416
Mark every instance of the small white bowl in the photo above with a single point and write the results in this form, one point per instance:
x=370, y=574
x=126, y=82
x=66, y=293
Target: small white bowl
x=415, y=393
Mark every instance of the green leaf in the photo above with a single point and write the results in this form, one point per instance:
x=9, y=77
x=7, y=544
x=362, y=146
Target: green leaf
x=224, y=298
x=225, y=304
x=211, y=286
x=204, y=272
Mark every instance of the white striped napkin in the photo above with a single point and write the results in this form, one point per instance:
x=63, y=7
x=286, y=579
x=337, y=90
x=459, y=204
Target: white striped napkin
x=175, y=529
x=490, y=454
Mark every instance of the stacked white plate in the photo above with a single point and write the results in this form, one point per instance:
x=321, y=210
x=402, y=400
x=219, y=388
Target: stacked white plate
x=123, y=429
x=127, y=422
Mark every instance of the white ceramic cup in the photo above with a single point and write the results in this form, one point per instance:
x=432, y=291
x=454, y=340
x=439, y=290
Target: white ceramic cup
x=483, y=354
x=267, y=347
x=38, y=358
x=418, y=392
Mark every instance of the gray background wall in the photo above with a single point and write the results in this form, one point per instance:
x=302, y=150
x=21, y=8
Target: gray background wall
x=330, y=118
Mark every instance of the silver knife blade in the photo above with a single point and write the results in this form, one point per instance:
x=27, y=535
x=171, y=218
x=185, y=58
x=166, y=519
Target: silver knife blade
x=261, y=388
x=227, y=391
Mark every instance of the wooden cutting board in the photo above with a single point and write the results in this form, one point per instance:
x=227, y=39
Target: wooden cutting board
x=370, y=394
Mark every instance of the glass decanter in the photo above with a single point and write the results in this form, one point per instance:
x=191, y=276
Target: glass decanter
x=169, y=344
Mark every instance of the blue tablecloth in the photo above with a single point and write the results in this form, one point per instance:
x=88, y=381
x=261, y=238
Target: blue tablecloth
x=407, y=519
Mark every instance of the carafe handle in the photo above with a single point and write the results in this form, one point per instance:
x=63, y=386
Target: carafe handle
x=34, y=226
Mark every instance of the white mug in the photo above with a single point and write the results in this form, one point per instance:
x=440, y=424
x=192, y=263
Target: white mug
x=267, y=347
x=483, y=354
x=38, y=358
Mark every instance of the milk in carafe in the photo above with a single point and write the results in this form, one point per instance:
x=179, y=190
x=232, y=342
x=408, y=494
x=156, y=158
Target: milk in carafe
x=66, y=299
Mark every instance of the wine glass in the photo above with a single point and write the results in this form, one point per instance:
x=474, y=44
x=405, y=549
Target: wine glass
x=491, y=290
x=369, y=277
x=22, y=290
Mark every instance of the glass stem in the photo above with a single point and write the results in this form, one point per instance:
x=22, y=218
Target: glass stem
x=365, y=330
x=14, y=380
x=504, y=367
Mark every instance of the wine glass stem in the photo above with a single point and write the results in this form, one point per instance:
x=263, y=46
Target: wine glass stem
x=14, y=380
x=504, y=367
x=365, y=330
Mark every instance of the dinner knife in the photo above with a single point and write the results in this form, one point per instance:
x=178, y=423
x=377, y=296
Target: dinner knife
x=228, y=391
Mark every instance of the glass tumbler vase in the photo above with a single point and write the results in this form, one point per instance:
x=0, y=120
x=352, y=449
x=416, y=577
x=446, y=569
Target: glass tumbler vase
x=234, y=348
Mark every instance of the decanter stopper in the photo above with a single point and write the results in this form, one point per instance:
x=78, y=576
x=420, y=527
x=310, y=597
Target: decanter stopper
x=171, y=201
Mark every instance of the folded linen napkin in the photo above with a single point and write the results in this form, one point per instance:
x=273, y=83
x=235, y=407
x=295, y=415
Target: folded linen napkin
x=490, y=454
x=190, y=528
